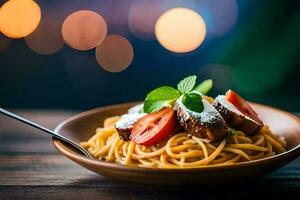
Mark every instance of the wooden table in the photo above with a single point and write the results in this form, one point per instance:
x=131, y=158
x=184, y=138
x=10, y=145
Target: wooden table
x=30, y=168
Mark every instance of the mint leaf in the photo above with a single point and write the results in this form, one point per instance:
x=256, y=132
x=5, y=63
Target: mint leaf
x=163, y=93
x=154, y=106
x=159, y=98
x=193, y=101
x=187, y=84
x=205, y=86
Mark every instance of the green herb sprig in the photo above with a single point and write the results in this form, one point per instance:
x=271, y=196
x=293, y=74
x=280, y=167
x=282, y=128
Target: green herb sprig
x=165, y=96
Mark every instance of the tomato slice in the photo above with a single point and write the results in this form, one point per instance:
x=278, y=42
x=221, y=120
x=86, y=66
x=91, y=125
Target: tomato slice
x=242, y=105
x=154, y=127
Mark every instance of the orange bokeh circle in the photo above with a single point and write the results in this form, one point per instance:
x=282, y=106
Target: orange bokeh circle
x=115, y=53
x=19, y=18
x=47, y=38
x=84, y=30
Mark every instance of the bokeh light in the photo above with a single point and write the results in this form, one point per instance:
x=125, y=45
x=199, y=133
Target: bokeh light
x=219, y=15
x=143, y=15
x=47, y=38
x=84, y=30
x=4, y=42
x=115, y=53
x=19, y=18
x=180, y=30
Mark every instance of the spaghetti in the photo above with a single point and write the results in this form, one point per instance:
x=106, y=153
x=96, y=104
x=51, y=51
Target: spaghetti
x=182, y=150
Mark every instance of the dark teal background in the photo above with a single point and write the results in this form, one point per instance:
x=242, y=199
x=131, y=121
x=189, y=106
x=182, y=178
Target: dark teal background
x=259, y=58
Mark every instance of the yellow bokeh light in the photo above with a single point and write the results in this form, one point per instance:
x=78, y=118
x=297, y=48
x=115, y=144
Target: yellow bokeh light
x=19, y=18
x=180, y=30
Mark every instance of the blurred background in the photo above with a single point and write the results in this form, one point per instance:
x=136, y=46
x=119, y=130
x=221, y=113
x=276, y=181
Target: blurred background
x=109, y=53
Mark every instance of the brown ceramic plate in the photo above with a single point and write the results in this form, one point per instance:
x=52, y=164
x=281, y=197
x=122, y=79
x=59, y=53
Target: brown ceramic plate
x=83, y=126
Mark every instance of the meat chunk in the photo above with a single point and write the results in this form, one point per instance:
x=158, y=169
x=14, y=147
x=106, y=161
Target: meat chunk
x=127, y=121
x=124, y=132
x=207, y=124
x=235, y=117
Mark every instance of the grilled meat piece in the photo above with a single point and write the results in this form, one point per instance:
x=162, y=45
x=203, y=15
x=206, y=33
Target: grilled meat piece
x=236, y=118
x=207, y=124
x=127, y=121
x=124, y=132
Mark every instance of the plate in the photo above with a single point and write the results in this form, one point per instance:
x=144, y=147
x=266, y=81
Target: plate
x=82, y=126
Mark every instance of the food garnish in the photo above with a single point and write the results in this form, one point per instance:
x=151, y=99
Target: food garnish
x=166, y=96
x=154, y=127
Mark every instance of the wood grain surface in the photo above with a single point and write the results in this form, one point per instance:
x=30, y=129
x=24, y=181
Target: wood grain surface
x=30, y=168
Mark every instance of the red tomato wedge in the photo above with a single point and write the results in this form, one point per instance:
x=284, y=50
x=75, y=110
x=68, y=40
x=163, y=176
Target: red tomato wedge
x=242, y=105
x=154, y=127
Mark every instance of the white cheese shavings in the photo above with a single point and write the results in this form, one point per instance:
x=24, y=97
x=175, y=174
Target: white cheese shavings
x=128, y=120
x=209, y=115
x=136, y=109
